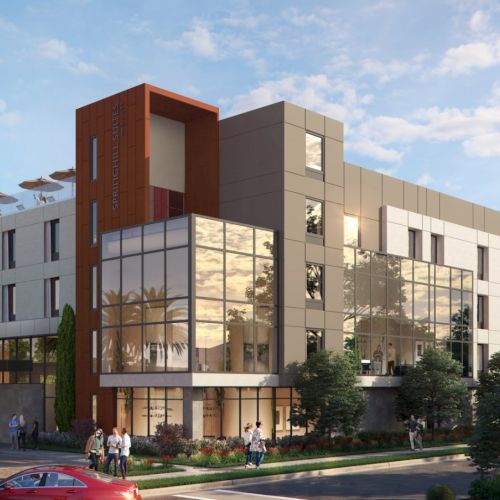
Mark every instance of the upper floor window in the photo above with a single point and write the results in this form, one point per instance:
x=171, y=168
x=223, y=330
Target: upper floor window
x=52, y=297
x=314, y=282
x=52, y=239
x=9, y=249
x=314, y=152
x=314, y=217
x=93, y=351
x=351, y=231
x=481, y=311
x=434, y=249
x=93, y=158
x=9, y=302
x=93, y=288
x=93, y=222
x=315, y=341
x=412, y=244
x=481, y=263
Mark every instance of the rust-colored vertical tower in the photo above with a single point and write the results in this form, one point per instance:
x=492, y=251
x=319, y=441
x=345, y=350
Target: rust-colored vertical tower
x=122, y=190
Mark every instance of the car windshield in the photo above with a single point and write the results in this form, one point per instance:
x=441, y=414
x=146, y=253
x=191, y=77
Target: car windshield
x=99, y=476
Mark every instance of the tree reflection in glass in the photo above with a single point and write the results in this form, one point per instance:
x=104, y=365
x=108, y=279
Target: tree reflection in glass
x=314, y=282
x=314, y=217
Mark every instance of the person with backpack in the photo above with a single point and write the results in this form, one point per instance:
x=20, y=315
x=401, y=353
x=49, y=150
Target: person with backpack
x=247, y=440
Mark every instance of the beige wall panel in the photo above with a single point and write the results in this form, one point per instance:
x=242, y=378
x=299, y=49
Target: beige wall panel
x=478, y=217
x=315, y=253
x=334, y=162
x=294, y=345
x=491, y=221
x=294, y=316
x=334, y=129
x=334, y=257
x=352, y=189
x=334, y=194
x=255, y=153
x=294, y=276
x=263, y=210
x=315, y=122
x=432, y=203
x=315, y=318
x=295, y=208
x=454, y=210
x=422, y=200
x=295, y=115
x=411, y=197
x=254, y=186
x=334, y=225
x=255, y=119
x=370, y=234
x=392, y=192
x=334, y=320
x=295, y=149
x=334, y=289
x=294, y=182
x=371, y=194
x=313, y=188
x=334, y=340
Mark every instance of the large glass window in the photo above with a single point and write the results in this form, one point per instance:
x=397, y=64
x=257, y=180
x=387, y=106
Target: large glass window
x=178, y=272
x=209, y=273
x=351, y=230
x=209, y=347
x=394, y=308
x=314, y=282
x=314, y=217
x=314, y=152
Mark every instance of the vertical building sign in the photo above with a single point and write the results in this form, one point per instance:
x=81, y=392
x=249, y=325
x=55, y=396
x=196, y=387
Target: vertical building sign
x=117, y=131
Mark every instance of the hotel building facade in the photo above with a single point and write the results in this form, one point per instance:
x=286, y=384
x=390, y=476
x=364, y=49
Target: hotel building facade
x=209, y=255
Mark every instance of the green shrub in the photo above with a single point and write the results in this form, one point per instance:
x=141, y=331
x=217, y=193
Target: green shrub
x=487, y=488
x=440, y=492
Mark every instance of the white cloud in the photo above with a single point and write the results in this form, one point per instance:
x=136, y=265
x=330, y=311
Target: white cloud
x=483, y=146
x=387, y=171
x=8, y=118
x=199, y=40
x=322, y=16
x=479, y=21
x=86, y=68
x=465, y=57
x=53, y=49
x=424, y=180
x=386, y=72
x=375, y=151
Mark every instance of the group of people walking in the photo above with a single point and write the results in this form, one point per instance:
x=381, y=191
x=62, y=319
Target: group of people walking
x=118, y=447
x=18, y=432
x=255, y=442
x=416, y=432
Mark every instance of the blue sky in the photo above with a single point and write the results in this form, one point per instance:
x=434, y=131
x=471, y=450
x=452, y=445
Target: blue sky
x=417, y=84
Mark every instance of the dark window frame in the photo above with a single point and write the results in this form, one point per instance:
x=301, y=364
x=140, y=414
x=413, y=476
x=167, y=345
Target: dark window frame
x=412, y=243
x=93, y=157
x=93, y=223
x=54, y=311
x=481, y=310
x=55, y=239
x=481, y=258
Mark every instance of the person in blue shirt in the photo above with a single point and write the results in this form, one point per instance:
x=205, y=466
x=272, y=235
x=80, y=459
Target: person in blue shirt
x=13, y=427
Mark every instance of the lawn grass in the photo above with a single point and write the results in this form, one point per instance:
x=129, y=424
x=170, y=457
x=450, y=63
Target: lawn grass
x=287, y=469
x=142, y=470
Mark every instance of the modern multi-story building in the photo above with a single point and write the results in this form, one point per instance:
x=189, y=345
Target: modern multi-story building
x=210, y=255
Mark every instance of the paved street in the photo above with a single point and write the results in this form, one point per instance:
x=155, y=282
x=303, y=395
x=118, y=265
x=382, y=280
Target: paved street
x=406, y=483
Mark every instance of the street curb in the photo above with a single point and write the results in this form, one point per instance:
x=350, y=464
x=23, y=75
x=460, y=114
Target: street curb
x=172, y=490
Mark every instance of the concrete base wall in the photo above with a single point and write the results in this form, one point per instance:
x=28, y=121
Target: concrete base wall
x=379, y=414
x=21, y=399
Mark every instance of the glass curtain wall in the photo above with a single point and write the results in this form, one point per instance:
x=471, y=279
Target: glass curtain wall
x=394, y=308
x=235, y=298
x=145, y=275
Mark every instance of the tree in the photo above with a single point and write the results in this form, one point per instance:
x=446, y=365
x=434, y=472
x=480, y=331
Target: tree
x=432, y=389
x=65, y=370
x=329, y=397
x=484, y=447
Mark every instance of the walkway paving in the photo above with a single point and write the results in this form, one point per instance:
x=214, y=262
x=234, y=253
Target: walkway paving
x=12, y=461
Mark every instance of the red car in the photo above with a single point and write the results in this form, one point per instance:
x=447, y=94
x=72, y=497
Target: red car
x=58, y=482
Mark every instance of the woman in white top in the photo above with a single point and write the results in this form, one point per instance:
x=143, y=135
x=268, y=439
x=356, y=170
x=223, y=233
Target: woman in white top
x=258, y=443
x=124, y=452
x=247, y=439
